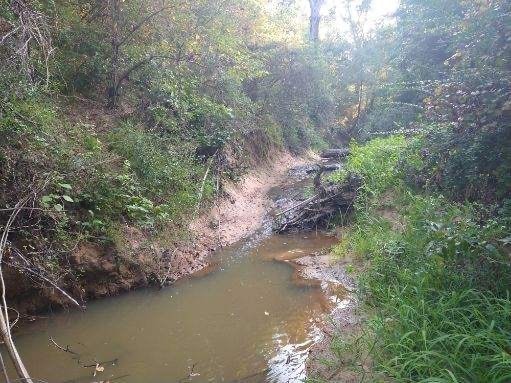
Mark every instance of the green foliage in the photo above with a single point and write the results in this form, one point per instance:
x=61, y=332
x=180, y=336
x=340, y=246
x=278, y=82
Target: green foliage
x=161, y=168
x=126, y=110
x=376, y=162
x=459, y=336
x=449, y=79
x=156, y=183
x=339, y=176
x=200, y=82
x=27, y=115
x=438, y=278
x=297, y=92
x=440, y=290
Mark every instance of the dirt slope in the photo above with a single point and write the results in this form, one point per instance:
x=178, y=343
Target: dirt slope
x=241, y=211
x=141, y=259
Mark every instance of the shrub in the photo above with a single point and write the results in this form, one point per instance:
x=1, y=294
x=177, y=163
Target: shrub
x=167, y=174
x=376, y=162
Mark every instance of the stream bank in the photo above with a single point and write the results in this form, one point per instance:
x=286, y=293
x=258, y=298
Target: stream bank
x=249, y=292
x=332, y=275
x=139, y=258
x=246, y=321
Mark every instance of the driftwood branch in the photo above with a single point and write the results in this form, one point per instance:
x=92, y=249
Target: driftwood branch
x=65, y=349
x=91, y=363
x=201, y=192
x=317, y=211
x=18, y=261
x=335, y=153
x=4, y=370
x=307, y=201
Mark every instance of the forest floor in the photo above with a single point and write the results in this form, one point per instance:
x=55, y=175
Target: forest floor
x=234, y=216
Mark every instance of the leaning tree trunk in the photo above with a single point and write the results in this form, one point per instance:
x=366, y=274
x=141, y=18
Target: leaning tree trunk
x=12, y=351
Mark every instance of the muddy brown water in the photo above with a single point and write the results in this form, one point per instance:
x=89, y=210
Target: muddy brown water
x=247, y=320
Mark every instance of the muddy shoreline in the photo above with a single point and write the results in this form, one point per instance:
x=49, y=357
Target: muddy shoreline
x=338, y=286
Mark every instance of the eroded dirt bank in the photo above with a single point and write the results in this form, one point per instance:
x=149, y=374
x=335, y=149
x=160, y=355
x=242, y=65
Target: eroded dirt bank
x=241, y=211
x=234, y=216
x=140, y=259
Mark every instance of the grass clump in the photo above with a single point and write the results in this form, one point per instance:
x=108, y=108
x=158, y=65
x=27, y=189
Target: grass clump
x=429, y=335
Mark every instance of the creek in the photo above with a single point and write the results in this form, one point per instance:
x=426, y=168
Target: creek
x=248, y=318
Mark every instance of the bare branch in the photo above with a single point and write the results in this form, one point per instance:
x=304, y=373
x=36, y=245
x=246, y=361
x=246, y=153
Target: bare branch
x=31, y=29
x=4, y=371
x=139, y=25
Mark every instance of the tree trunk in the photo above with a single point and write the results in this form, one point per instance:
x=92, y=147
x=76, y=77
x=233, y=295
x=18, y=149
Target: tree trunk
x=354, y=127
x=118, y=40
x=113, y=89
x=315, y=18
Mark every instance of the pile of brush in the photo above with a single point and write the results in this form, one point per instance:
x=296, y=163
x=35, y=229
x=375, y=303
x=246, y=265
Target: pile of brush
x=330, y=199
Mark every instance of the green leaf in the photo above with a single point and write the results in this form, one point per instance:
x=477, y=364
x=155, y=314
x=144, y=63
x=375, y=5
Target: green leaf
x=65, y=186
x=58, y=207
x=68, y=198
x=46, y=199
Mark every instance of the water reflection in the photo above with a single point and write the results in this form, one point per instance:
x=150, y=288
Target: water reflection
x=247, y=322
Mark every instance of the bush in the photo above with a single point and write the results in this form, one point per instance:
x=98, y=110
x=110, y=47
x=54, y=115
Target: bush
x=376, y=162
x=168, y=175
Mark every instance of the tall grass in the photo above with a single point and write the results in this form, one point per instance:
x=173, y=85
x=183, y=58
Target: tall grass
x=439, y=285
x=429, y=335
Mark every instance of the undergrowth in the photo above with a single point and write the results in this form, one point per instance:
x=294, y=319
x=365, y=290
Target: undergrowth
x=438, y=283
x=96, y=181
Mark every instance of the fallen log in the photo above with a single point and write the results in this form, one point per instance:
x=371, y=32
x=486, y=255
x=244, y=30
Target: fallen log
x=317, y=211
x=298, y=205
x=335, y=153
x=326, y=167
